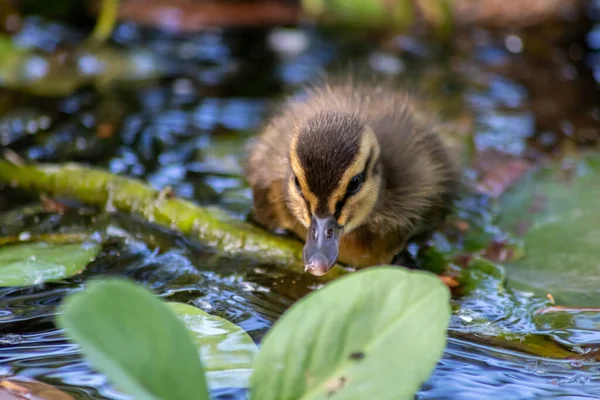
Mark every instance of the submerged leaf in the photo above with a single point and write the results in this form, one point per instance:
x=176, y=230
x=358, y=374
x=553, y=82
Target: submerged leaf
x=20, y=388
x=227, y=351
x=556, y=211
x=377, y=333
x=27, y=264
x=570, y=327
x=136, y=340
x=487, y=313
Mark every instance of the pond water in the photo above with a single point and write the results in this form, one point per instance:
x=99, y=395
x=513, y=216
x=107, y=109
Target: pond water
x=519, y=96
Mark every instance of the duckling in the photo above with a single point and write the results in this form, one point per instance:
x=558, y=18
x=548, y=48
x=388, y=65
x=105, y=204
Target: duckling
x=354, y=169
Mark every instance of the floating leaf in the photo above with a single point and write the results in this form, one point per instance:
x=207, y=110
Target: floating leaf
x=556, y=212
x=377, y=333
x=570, y=327
x=27, y=264
x=20, y=388
x=487, y=311
x=136, y=340
x=62, y=76
x=227, y=351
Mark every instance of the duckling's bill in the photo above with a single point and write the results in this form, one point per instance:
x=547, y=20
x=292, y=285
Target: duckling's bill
x=321, y=249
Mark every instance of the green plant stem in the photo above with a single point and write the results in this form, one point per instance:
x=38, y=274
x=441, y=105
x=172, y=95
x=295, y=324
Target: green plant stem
x=106, y=20
x=209, y=225
x=55, y=238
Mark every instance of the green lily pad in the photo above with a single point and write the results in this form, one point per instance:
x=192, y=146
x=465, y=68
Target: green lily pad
x=488, y=313
x=376, y=333
x=556, y=212
x=27, y=264
x=570, y=327
x=226, y=350
x=136, y=340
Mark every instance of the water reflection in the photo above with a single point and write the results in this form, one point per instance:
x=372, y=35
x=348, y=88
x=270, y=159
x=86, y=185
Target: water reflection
x=188, y=131
x=471, y=371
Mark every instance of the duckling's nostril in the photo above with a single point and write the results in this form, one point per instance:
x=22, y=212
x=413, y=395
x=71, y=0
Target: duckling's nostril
x=329, y=233
x=314, y=232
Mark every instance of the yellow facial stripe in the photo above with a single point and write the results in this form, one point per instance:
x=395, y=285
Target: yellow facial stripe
x=297, y=205
x=358, y=207
x=368, y=142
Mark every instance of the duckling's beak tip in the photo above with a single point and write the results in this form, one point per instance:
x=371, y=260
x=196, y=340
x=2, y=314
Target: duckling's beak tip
x=317, y=266
x=316, y=270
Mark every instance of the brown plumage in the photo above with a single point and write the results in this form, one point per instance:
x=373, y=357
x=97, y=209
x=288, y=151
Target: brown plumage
x=356, y=165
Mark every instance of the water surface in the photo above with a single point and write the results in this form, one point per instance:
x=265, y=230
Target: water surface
x=520, y=94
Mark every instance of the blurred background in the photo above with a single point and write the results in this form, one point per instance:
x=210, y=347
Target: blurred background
x=171, y=91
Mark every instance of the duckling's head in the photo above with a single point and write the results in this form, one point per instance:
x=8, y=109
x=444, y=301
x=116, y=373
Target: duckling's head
x=334, y=182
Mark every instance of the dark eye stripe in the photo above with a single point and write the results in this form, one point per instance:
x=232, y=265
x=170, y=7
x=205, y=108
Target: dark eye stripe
x=340, y=204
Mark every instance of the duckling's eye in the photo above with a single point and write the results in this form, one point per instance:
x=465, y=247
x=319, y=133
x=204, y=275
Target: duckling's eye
x=297, y=183
x=355, y=184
